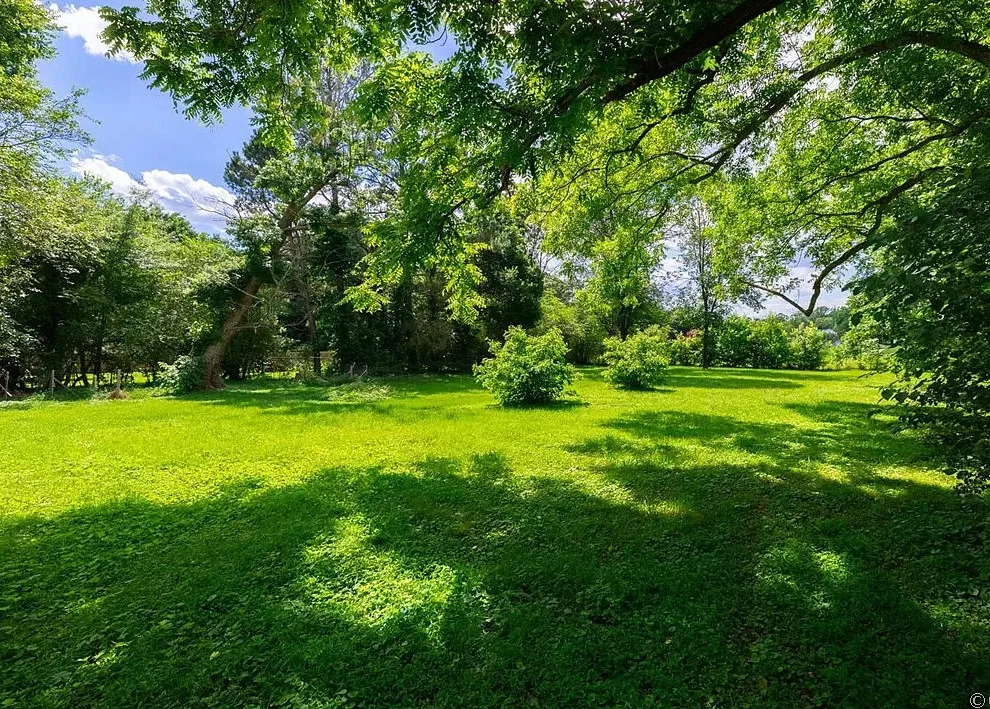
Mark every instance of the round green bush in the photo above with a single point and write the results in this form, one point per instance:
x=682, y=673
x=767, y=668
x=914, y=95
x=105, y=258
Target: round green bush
x=182, y=376
x=526, y=369
x=809, y=347
x=638, y=362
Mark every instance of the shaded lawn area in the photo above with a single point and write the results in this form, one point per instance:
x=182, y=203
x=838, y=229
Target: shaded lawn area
x=739, y=538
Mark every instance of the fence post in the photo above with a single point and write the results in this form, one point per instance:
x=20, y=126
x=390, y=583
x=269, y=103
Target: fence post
x=6, y=385
x=51, y=383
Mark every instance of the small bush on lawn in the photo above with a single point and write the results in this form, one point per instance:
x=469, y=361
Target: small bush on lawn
x=733, y=346
x=182, y=376
x=526, y=369
x=769, y=343
x=639, y=362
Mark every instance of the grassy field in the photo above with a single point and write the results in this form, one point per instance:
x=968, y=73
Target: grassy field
x=740, y=538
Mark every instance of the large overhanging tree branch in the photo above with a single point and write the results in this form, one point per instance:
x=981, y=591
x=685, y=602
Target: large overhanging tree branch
x=209, y=55
x=974, y=51
x=535, y=123
x=865, y=240
x=526, y=81
x=714, y=159
x=911, y=149
x=707, y=37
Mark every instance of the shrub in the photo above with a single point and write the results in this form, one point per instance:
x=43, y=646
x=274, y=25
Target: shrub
x=733, y=347
x=685, y=350
x=639, y=362
x=526, y=369
x=838, y=359
x=876, y=357
x=770, y=346
x=182, y=376
x=862, y=343
x=809, y=346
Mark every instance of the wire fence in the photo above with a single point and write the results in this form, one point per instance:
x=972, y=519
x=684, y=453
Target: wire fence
x=34, y=381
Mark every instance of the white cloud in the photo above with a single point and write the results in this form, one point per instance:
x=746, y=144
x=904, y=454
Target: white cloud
x=86, y=24
x=198, y=200
x=181, y=187
x=97, y=166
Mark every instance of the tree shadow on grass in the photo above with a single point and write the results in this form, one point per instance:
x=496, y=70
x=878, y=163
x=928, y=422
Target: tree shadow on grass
x=558, y=405
x=697, y=378
x=297, y=399
x=848, y=562
x=375, y=395
x=460, y=583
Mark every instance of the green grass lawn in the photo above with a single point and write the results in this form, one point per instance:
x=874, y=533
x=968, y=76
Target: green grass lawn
x=739, y=538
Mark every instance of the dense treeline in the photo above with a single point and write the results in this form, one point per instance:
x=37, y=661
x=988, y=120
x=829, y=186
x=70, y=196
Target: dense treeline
x=123, y=287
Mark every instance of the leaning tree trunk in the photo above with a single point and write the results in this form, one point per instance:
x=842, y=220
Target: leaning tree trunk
x=213, y=358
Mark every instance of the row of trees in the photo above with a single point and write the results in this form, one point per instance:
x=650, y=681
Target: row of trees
x=120, y=286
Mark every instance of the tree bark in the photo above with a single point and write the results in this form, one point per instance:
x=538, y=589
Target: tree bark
x=706, y=340
x=213, y=358
x=625, y=316
x=82, y=367
x=311, y=329
x=98, y=361
x=300, y=253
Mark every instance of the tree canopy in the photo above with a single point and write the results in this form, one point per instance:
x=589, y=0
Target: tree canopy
x=629, y=102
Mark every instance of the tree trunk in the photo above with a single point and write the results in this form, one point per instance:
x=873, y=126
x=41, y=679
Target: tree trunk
x=299, y=251
x=82, y=367
x=706, y=342
x=98, y=362
x=213, y=358
x=311, y=328
x=625, y=316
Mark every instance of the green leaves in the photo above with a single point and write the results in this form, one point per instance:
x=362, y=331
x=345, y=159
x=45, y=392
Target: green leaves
x=526, y=369
x=639, y=362
x=927, y=296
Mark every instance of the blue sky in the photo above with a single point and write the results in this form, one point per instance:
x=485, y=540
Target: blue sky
x=140, y=140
